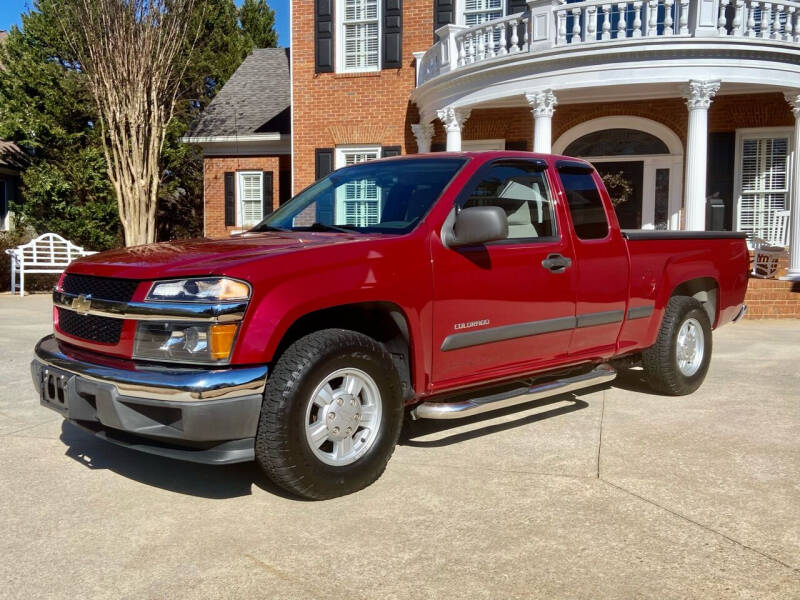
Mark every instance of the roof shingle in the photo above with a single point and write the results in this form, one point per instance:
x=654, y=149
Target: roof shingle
x=256, y=99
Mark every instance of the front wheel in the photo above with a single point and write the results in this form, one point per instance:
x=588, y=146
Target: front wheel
x=678, y=362
x=331, y=415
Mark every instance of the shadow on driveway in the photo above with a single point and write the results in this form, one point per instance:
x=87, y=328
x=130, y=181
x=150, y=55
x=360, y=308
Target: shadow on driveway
x=207, y=481
x=231, y=481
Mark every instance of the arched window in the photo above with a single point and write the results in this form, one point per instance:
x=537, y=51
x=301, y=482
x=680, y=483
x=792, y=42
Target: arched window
x=616, y=142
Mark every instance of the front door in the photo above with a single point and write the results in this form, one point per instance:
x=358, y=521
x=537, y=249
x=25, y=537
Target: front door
x=497, y=310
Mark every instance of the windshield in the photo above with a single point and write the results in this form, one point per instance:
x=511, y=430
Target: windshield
x=385, y=197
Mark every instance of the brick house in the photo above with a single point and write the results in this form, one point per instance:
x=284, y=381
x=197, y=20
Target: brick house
x=245, y=137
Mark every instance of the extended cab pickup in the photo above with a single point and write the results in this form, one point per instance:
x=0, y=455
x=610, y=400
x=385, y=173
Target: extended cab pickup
x=438, y=286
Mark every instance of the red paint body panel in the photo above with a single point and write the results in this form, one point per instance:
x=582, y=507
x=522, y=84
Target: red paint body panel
x=436, y=288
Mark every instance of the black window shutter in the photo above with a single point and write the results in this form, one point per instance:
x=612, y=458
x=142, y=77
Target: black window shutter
x=443, y=14
x=266, y=193
x=323, y=162
x=323, y=36
x=387, y=151
x=230, y=199
x=323, y=166
x=392, y=34
x=518, y=145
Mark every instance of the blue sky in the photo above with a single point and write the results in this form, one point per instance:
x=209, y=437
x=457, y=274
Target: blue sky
x=11, y=9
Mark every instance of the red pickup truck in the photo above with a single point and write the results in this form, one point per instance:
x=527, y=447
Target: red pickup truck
x=437, y=286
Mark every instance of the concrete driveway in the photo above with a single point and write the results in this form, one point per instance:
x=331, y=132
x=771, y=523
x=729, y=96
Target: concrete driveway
x=616, y=493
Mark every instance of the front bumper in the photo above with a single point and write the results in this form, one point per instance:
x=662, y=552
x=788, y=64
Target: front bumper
x=201, y=415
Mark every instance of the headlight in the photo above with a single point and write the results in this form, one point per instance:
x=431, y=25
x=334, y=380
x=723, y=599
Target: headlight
x=184, y=342
x=199, y=290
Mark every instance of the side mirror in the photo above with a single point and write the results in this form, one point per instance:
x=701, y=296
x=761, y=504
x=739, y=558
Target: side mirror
x=478, y=225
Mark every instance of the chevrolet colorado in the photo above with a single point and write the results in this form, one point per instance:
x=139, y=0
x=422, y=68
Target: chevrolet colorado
x=439, y=286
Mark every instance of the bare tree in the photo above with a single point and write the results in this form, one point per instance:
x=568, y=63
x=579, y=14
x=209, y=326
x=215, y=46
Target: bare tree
x=134, y=54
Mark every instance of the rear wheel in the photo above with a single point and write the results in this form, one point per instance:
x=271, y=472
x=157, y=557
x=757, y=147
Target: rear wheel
x=331, y=416
x=678, y=362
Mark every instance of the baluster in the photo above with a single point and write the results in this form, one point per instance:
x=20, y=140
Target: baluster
x=637, y=20
x=490, y=41
x=562, y=28
x=668, y=4
x=622, y=24
x=591, y=23
x=766, y=19
x=684, y=20
x=503, y=50
x=652, y=17
x=462, y=53
x=525, y=24
x=776, y=22
x=796, y=29
x=737, y=18
x=723, y=19
x=751, y=20
x=481, y=45
x=606, y=27
x=514, y=35
x=576, y=26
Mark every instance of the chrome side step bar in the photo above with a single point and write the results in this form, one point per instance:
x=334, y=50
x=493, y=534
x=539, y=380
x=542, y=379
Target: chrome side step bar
x=602, y=373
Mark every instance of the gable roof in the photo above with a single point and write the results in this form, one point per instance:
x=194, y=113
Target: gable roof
x=255, y=100
x=12, y=157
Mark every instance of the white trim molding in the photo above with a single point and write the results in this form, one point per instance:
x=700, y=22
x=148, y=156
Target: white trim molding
x=793, y=98
x=672, y=161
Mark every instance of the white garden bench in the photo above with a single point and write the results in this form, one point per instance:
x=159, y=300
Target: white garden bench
x=48, y=253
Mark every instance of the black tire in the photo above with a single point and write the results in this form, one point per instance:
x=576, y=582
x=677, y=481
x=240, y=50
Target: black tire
x=660, y=361
x=282, y=449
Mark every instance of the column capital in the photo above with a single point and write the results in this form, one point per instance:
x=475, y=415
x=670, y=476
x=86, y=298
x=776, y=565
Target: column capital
x=698, y=94
x=543, y=103
x=423, y=133
x=793, y=98
x=453, y=118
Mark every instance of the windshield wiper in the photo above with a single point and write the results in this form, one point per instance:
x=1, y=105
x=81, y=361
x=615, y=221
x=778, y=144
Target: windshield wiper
x=317, y=226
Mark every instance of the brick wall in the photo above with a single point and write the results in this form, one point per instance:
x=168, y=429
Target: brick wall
x=362, y=108
x=214, y=169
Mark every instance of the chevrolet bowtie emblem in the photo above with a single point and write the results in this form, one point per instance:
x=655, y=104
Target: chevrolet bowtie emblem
x=82, y=304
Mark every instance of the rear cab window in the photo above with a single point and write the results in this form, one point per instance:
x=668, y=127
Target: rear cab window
x=585, y=205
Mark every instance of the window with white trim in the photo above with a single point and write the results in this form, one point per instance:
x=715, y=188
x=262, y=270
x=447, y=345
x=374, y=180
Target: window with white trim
x=359, y=201
x=476, y=12
x=359, y=35
x=763, y=180
x=251, y=197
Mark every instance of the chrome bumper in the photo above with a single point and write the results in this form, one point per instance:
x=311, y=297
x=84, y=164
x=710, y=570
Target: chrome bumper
x=208, y=416
x=159, y=383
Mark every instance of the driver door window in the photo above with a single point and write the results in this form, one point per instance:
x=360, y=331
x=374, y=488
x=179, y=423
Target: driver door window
x=521, y=190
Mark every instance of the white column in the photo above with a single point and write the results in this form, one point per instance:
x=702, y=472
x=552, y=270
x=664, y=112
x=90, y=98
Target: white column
x=794, y=216
x=698, y=95
x=423, y=132
x=453, y=120
x=543, y=105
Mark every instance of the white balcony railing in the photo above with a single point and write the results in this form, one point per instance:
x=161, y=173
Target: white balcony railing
x=552, y=23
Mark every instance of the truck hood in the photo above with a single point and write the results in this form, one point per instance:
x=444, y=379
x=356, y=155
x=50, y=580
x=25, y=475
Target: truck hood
x=204, y=256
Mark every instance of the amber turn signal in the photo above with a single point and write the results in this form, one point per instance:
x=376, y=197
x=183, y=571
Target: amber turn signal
x=221, y=340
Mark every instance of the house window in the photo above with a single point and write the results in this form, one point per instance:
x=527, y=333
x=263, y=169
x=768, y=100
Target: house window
x=762, y=180
x=359, y=35
x=359, y=201
x=476, y=12
x=251, y=198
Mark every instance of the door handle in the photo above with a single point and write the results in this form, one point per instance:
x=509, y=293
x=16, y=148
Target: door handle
x=556, y=263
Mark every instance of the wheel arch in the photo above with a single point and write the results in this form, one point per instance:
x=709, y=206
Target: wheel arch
x=705, y=290
x=383, y=321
